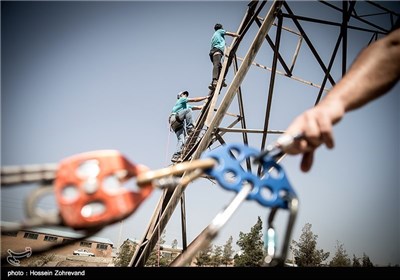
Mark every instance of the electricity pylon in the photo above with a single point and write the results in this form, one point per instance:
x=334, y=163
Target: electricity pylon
x=286, y=36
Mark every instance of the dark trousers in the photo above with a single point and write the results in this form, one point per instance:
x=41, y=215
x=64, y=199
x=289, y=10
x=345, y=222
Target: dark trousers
x=216, y=60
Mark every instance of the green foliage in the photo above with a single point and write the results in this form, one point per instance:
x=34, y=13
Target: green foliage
x=305, y=251
x=251, y=245
x=340, y=258
x=227, y=252
x=204, y=257
x=356, y=261
x=216, y=257
x=126, y=252
x=156, y=258
x=366, y=262
x=174, y=244
x=219, y=256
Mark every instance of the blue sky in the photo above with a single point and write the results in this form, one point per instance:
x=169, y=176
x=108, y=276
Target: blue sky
x=84, y=76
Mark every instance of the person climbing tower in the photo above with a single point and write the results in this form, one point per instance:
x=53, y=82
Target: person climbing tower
x=181, y=120
x=217, y=52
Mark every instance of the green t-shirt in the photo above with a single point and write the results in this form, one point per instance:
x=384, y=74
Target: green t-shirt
x=181, y=104
x=218, y=39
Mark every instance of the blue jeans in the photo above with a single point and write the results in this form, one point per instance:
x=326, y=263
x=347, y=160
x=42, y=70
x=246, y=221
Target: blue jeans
x=186, y=115
x=180, y=135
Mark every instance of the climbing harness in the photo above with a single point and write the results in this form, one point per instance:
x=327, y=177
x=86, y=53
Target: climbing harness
x=175, y=122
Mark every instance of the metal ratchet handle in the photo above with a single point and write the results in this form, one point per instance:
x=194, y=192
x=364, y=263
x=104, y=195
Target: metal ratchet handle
x=278, y=148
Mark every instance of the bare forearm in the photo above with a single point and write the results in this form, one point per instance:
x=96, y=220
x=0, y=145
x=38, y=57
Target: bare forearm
x=231, y=34
x=197, y=99
x=374, y=72
x=197, y=108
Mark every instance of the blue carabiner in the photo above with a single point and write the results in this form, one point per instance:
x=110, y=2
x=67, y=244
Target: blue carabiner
x=271, y=190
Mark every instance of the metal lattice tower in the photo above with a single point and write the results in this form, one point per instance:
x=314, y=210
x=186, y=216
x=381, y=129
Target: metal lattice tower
x=285, y=37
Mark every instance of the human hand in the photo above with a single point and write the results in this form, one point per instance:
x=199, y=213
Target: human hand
x=316, y=127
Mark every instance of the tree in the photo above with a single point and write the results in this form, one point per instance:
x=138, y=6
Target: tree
x=251, y=245
x=204, y=256
x=356, y=261
x=340, y=258
x=126, y=252
x=227, y=252
x=174, y=244
x=305, y=251
x=156, y=258
x=216, y=258
x=366, y=261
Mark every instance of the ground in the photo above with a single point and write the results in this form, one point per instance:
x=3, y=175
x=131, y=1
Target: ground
x=65, y=261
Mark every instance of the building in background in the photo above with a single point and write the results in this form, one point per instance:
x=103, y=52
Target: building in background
x=40, y=238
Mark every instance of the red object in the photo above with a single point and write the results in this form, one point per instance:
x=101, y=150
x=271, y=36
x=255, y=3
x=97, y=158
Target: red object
x=90, y=190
